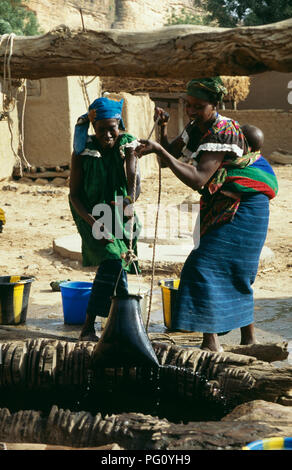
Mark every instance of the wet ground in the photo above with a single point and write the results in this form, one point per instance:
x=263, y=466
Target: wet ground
x=273, y=320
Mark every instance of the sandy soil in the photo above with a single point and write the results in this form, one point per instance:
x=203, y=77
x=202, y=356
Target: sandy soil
x=36, y=215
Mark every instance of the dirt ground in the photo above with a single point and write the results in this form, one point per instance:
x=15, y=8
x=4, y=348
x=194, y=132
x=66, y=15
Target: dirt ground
x=38, y=214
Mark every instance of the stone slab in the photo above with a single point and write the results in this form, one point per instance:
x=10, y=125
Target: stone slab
x=70, y=247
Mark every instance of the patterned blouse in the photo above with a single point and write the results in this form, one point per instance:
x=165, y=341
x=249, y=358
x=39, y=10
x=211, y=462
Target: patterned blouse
x=224, y=135
x=241, y=171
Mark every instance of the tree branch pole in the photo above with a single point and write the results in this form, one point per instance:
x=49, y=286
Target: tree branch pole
x=170, y=52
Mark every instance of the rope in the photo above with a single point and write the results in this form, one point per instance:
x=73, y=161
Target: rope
x=134, y=198
x=155, y=232
x=6, y=69
x=82, y=82
x=21, y=137
x=154, y=246
x=84, y=91
x=9, y=102
x=130, y=256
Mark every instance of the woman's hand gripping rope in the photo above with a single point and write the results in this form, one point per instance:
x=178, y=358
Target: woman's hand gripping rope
x=130, y=256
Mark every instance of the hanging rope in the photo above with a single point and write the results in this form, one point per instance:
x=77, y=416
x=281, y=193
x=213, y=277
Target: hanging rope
x=154, y=245
x=21, y=137
x=82, y=81
x=9, y=101
x=84, y=91
x=130, y=256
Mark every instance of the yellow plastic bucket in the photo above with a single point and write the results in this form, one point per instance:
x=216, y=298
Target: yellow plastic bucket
x=14, y=297
x=169, y=289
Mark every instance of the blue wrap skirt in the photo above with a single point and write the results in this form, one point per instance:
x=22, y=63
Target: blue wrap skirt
x=215, y=292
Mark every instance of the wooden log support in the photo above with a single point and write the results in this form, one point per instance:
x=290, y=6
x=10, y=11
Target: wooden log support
x=135, y=431
x=172, y=52
x=47, y=364
x=268, y=352
x=238, y=377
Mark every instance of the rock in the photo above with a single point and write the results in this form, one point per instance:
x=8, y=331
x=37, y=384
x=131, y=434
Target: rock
x=25, y=180
x=57, y=264
x=58, y=182
x=9, y=187
x=41, y=181
x=281, y=157
x=32, y=267
x=55, y=285
x=260, y=410
x=74, y=264
x=268, y=352
x=69, y=247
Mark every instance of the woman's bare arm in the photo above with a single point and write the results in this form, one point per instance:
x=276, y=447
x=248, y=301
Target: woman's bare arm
x=132, y=172
x=175, y=146
x=76, y=176
x=194, y=177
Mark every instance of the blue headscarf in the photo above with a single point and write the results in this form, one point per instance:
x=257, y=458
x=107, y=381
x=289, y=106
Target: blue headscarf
x=105, y=109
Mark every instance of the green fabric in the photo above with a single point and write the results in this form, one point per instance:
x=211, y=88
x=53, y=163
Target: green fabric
x=258, y=175
x=220, y=175
x=208, y=89
x=103, y=181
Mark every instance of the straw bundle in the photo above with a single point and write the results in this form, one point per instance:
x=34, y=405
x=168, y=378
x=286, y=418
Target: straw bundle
x=237, y=86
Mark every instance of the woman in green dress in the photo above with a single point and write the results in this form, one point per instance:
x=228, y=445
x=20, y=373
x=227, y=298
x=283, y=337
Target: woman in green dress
x=102, y=184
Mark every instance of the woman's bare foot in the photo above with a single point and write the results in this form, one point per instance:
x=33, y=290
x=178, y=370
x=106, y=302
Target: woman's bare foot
x=211, y=342
x=88, y=330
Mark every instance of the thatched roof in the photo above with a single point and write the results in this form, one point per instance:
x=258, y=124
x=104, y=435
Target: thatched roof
x=238, y=87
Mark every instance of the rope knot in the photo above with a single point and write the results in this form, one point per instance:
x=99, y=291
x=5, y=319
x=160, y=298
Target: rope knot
x=129, y=257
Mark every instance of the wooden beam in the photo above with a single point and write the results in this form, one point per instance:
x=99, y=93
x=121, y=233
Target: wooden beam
x=185, y=51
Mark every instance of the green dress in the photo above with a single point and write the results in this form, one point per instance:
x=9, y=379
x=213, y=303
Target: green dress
x=104, y=180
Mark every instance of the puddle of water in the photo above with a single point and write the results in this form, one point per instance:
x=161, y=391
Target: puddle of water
x=274, y=315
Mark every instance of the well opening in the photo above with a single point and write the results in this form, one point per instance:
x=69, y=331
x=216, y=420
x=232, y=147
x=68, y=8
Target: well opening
x=49, y=393
x=61, y=374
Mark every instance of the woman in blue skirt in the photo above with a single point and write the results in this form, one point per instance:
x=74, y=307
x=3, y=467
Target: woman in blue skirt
x=213, y=157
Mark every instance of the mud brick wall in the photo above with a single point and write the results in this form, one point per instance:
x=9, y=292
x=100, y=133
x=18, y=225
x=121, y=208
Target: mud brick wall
x=7, y=157
x=275, y=123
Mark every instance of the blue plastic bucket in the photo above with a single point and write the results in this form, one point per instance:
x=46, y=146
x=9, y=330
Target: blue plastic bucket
x=75, y=297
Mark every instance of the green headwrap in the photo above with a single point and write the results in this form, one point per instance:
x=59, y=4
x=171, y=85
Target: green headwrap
x=207, y=89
